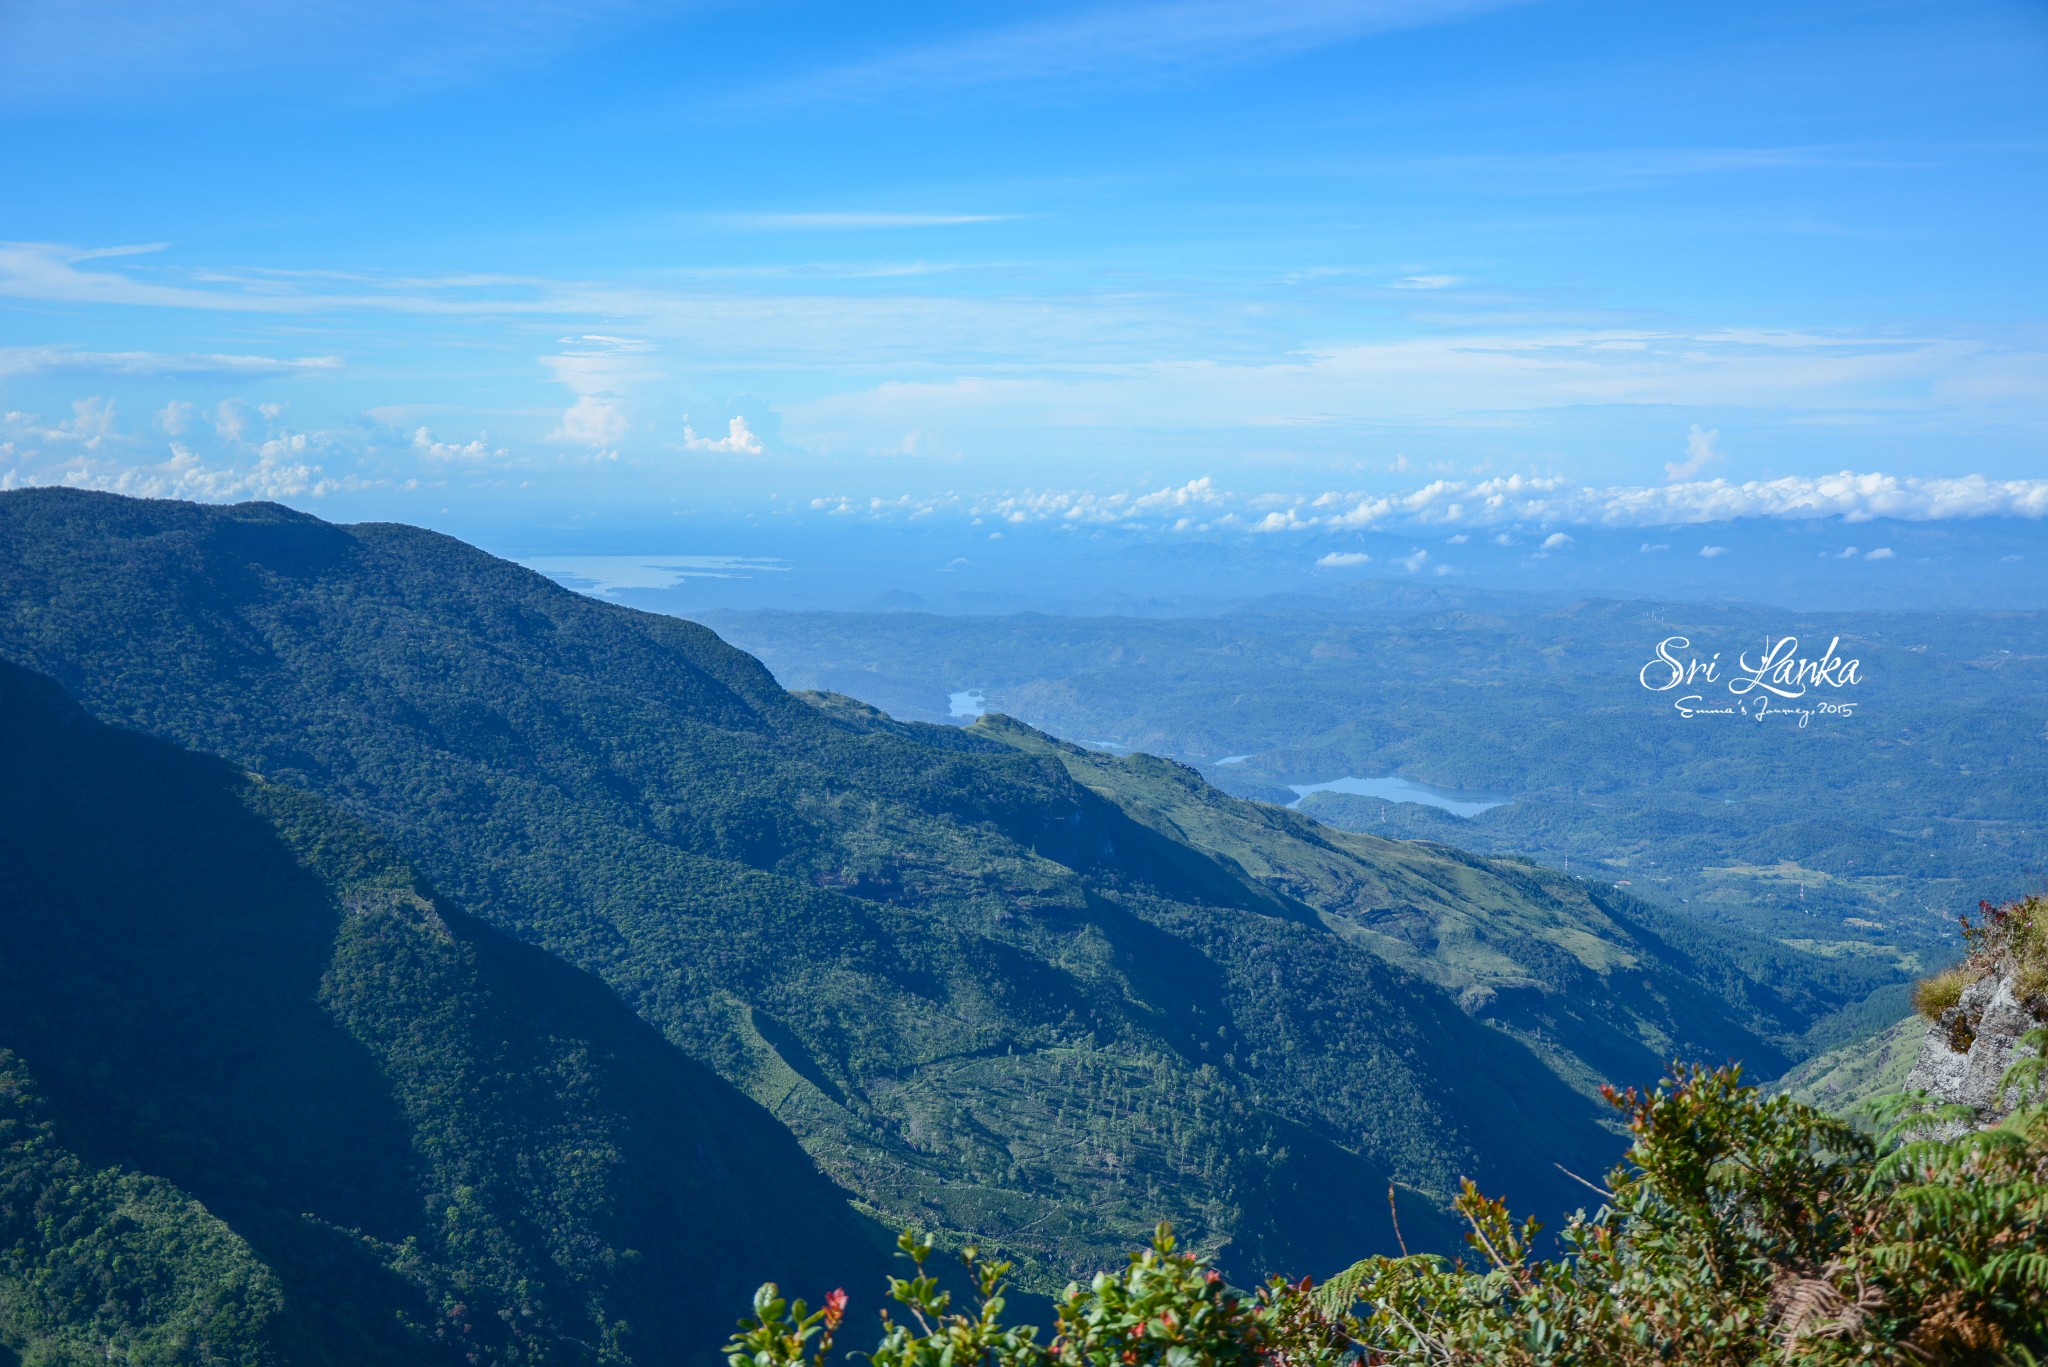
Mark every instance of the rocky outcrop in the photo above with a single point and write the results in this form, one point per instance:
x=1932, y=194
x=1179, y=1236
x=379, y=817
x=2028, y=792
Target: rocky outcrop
x=1971, y=1045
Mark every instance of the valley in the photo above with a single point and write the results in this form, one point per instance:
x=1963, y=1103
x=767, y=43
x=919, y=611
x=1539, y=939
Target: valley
x=1028, y=994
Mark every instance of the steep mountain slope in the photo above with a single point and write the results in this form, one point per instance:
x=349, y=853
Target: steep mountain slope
x=1579, y=972
x=1841, y=1079
x=262, y=1099
x=982, y=995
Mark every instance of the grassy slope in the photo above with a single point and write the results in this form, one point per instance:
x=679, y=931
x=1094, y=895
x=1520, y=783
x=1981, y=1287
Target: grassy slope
x=983, y=996
x=261, y=1098
x=1839, y=1079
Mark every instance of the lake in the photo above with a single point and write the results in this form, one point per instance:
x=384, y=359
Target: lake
x=968, y=704
x=1456, y=801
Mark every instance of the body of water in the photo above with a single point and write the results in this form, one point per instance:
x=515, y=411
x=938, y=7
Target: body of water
x=605, y=575
x=969, y=704
x=1456, y=801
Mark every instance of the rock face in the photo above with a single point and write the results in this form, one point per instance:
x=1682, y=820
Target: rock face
x=1989, y=1022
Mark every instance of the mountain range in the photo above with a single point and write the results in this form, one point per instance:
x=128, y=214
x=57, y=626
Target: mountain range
x=451, y=963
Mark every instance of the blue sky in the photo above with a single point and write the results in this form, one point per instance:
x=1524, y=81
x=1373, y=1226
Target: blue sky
x=1333, y=265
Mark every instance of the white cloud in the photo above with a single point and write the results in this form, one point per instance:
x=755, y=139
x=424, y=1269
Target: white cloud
x=1432, y=380
x=597, y=366
x=1340, y=559
x=1413, y=561
x=737, y=439
x=1428, y=282
x=424, y=442
x=1555, y=540
x=48, y=360
x=1506, y=501
x=174, y=417
x=231, y=419
x=1648, y=548
x=1849, y=495
x=1701, y=450
x=1881, y=553
x=592, y=422
x=90, y=425
x=1458, y=540
x=1846, y=553
x=1710, y=552
x=281, y=467
x=1014, y=364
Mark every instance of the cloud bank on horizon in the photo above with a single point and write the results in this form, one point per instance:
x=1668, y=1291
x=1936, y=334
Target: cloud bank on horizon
x=1484, y=263
x=1516, y=500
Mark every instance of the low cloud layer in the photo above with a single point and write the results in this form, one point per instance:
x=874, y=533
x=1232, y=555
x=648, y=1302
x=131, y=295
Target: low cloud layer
x=1200, y=505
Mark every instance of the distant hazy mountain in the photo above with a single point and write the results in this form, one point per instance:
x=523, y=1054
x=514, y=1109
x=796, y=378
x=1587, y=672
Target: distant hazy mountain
x=1861, y=835
x=987, y=993
x=263, y=1098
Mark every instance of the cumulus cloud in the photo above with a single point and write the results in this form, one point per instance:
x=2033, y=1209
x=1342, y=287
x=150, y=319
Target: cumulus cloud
x=1881, y=553
x=174, y=417
x=280, y=467
x=1649, y=548
x=1701, y=450
x=1339, y=559
x=254, y=458
x=590, y=421
x=1711, y=552
x=1848, y=495
x=424, y=442
x=1507, y=501
x=1413, y=561
x=738, y=439
x=1555, y=540
x=90, y=425
x=231, y=420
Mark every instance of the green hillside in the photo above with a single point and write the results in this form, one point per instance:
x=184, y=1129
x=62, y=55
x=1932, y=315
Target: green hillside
x=263, y=1099
x=1841, y=1079
x=983, y=995
x=1862, y=836
x=1600, y=984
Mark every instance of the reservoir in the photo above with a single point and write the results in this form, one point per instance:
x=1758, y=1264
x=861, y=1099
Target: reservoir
x=1456, y=801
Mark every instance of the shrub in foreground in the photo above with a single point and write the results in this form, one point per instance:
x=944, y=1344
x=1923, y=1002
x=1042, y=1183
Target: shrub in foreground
x=1740, y=1229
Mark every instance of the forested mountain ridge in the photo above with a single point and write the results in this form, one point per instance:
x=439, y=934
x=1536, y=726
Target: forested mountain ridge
x=983, y=995
x=264, y=1099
